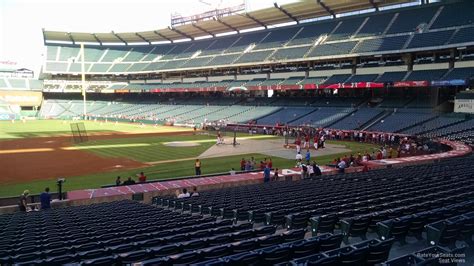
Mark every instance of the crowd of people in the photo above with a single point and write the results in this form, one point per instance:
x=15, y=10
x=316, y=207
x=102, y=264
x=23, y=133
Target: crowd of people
x=251, y=164
x=185, y=194
x=130, y=181
x=391, y=146
x=45, y=201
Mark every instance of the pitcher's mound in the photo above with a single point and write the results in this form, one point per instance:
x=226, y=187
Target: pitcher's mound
x=181, y=144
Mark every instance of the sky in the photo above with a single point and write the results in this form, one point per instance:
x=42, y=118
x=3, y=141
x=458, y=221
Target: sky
x=22, y=21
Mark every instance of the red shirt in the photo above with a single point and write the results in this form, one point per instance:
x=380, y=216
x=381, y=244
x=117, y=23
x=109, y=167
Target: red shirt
x=242, y=163
x=379, y=156
x=142, y=178
x=270, y=165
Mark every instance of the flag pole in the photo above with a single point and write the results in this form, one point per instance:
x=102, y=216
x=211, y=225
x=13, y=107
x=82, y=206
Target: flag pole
x=83, y=81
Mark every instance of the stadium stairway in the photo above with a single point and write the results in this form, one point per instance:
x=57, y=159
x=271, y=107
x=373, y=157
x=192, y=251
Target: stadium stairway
x=440, y=128
x=417, y=124
x=375, y=120
x=303, y=115
x=341, y=118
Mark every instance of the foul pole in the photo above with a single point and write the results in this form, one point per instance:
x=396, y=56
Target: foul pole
x=83, y=74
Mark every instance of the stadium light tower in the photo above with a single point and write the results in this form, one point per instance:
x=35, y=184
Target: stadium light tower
x=83, y=79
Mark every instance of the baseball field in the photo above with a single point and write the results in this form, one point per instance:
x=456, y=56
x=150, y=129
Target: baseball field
x=33, y=154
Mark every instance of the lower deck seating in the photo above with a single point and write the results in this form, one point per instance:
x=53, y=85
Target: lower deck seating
x=394, y=203
x=462, y=131
x=254, y=225
x=401, y=119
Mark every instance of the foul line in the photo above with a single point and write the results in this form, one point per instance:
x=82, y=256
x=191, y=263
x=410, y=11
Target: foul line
x=172, y=161
x=105, y=146
x=25, y=150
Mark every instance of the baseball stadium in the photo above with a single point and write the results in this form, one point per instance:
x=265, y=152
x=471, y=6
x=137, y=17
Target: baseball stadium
x=297, y=132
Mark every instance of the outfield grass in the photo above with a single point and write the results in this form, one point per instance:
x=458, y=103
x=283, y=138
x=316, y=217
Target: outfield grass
x=167, y=170
x=44, y=128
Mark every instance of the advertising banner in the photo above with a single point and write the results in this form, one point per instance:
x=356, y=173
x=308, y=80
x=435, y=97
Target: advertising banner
x=453, y=82
x=22, y=98
x=421, y=83
x=353, y=85
x=464, y=106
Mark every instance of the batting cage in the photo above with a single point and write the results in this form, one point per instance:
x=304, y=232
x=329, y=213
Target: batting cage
x=79, y=133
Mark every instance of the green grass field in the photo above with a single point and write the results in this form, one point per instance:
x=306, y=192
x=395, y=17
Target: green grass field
x=45, y=128
x=143, y=149
x=148, y=149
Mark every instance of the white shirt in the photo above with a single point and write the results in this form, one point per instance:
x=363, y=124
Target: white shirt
x=342, y=164
x=310, y=169
x=299, y=156
x=182, y=195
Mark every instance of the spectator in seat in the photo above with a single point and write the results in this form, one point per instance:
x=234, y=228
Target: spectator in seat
x=310, y=170
x=184, y=194
x=23, y=204
x=275, y=175
x=316, y=169
x=129, y=181
x=195, y=192
x=232, y=171
x=118, y=182
x=142, y=177
x=304, y=171
x=341, y=166
x=45, y=199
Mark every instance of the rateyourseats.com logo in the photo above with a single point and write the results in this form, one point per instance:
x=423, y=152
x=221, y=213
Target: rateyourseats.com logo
x=443, y=257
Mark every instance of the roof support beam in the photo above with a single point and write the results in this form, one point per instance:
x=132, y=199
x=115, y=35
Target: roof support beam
x=96, y=38
x=162, y=36
x=120, y=38
x=288, y=14
x=181, y=33
x=320, y=2
x=71, y=38
x=226, y=24
x=143, y=38
x=256, y=21
x=44, y=36
x=203, y=30
x=372, y=2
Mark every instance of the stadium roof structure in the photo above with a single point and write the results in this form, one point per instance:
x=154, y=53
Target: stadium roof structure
x=293, y=12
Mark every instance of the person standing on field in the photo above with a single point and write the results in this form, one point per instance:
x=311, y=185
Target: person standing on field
x=197, y=167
